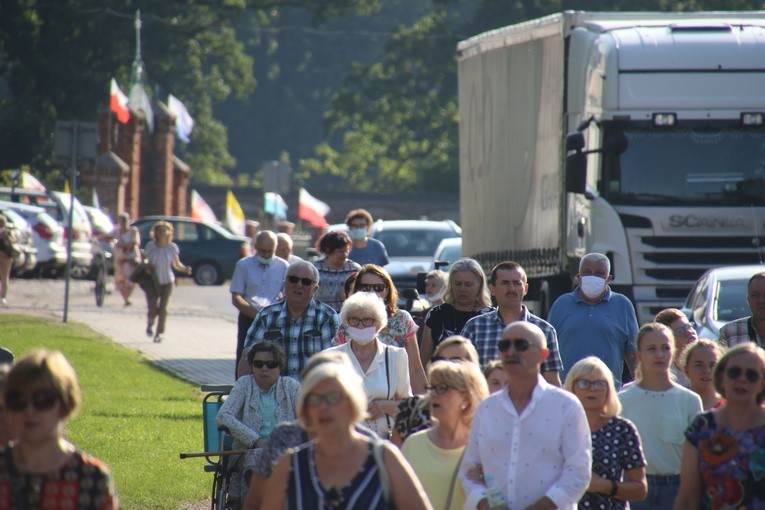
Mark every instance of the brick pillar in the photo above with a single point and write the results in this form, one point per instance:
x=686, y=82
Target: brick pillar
x=158, y=163
x=181, y=177
x=127, y=147
x=109, y=176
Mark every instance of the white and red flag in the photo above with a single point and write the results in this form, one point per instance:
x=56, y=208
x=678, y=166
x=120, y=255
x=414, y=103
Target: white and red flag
x=312, y=210
x=118, y=103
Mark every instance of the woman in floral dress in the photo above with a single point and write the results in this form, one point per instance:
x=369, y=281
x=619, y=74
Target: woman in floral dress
x=724, y=452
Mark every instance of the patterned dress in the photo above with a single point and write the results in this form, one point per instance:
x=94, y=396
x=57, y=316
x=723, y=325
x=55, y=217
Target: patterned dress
x=615, y=449
x=731, y=463
x=332, y=281
x=84, y=483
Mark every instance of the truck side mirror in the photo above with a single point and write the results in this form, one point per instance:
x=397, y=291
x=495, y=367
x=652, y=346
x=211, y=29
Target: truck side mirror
x=576, y=172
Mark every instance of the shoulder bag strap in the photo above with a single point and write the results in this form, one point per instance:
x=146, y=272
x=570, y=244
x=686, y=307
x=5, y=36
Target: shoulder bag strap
x=387, y=378
x=451, y=485
x=378, y=450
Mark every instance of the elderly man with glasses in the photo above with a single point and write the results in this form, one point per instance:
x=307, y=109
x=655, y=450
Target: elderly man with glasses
x=302, y=325
x=529, y=444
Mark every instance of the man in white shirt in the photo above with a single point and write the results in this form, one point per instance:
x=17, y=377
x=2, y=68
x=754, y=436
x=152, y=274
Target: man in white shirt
x=257, y=282
x=284, y=248
x=531, y=440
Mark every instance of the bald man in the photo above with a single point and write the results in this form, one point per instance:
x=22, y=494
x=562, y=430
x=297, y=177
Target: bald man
x=532, y=437
x=257, y=282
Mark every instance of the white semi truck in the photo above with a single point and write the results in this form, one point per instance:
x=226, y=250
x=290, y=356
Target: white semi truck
x=637, y=135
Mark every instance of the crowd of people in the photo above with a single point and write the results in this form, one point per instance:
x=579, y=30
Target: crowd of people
x=344, y=400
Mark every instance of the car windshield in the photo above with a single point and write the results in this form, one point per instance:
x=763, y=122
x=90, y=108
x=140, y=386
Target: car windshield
x=731, y=300
x=412, y=242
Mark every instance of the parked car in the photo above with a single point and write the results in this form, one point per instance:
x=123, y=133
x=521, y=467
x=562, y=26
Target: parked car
x=410, y=245
x=47, y=236
x=210, y=250
x=57, y=204
x=448, y=251
x=25, y=262
x=719, y=297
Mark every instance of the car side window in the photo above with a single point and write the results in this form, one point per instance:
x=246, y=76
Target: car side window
x=183, y=231
x=206, y=233
x=699, y=305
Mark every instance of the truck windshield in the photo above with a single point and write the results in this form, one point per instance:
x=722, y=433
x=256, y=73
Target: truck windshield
x=693, y=166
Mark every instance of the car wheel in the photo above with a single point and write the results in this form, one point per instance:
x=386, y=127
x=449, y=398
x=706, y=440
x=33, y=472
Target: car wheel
x=207, y=273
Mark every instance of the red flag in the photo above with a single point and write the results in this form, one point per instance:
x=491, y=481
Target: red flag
x=312, y=210
x=118, y=103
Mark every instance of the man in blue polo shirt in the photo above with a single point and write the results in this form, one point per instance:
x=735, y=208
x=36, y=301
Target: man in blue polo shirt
x=508, y=285
x=595, y=321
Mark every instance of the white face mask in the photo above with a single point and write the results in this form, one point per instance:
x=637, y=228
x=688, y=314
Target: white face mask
x=362, y=336
x=358, y=233
x=592, y=286
x=435, y=297
x=264, y=260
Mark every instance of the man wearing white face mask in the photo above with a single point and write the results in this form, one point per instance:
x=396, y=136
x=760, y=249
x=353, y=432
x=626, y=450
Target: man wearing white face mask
x=257, y=281
x=595, y=321
x=365, y=249
x=385, y=368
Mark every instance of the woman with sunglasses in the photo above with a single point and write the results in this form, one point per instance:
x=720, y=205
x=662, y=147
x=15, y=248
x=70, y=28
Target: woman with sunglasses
x=618, y=465
x=455, y=390
x=41, y=468
x=661, y=410
x=698, y=362
x=465, y=296
x=684, y=335
x=255, y=405
x=334, y=268
x=413, y=412
x=340, y=468
x=400, y=331
x=163, y=255
x=384, y=368
x=724, y=451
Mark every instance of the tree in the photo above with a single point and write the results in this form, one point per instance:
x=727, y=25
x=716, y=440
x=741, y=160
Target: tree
x=57, y=56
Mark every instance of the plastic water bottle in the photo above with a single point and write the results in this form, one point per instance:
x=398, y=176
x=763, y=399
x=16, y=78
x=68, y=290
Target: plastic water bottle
x=494, y=494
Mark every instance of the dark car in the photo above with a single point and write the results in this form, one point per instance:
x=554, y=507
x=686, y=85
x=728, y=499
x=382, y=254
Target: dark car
x=210, y=250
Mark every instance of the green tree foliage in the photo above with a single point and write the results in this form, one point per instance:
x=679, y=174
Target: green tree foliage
x=57, y=57
x=393, y=125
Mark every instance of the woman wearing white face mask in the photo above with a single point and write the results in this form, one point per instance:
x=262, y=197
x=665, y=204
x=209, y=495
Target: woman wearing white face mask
x=385, y=368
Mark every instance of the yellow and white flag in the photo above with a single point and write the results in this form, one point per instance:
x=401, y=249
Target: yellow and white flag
x=234, y=214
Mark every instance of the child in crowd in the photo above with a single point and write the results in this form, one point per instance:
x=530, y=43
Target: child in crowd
x=698, y=362
x=495, y=375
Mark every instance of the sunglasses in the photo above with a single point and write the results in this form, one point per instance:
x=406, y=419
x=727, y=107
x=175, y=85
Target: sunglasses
x=681, y=330
x=433, y=359
x=372, y=287
x=260, y=363
x=585, y=384
x=438, y=389
x=42, y=400
x=356, y=322
x=295, y=279
x=331, y=399
x=520, y=344
x=750, y=374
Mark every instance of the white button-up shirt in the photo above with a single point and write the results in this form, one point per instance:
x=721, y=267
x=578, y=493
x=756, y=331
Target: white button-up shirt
x=259, y=284
x=546, y=451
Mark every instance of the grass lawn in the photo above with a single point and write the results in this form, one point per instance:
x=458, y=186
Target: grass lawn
x=134, y=416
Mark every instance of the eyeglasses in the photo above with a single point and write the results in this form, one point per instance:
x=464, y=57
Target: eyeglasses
x=586, y=384
x=438, y=389
x=520, y=344
x=433, y=359
x=750, y=374
x=358, y=225
x=295, y=279
x=356, y=322
x=372, y=287
x=260, y=363
x=331, y=399
x=42, y=400
x=681, y=330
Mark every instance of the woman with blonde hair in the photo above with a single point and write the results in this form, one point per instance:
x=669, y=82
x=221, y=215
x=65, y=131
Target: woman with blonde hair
x=724, y=450
x=163, y=255
x=465, y=296
x=126, y=254
x=618, y=465
x=661, y=410
x=454, y=392
x=341, y=468
x=41, y=466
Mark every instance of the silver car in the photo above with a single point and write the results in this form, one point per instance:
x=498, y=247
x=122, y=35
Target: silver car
x=23, y=263
x=47, y=236
x=719, y=297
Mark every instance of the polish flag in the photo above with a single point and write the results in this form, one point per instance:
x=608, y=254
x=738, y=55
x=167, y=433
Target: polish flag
x=200, y=210
x=118, y=103
x=312, y=210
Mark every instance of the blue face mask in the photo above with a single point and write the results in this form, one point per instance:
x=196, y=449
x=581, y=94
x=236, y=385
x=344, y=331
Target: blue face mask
x=264, y=260
x=358, y=233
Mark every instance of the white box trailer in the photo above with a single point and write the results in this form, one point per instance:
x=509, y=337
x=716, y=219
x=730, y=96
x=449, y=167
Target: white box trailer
x=666, y=170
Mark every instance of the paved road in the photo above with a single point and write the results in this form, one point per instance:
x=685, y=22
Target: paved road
x=200, y=336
